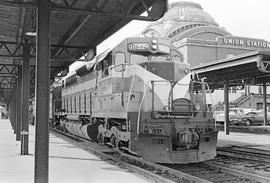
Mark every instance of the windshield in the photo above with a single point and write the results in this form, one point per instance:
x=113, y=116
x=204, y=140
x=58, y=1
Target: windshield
x=137, y=59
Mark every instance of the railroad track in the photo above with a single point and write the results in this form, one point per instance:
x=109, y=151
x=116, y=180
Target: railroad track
x=215, y=173
x=190, y=173
x=253, y=162
x=249, y=153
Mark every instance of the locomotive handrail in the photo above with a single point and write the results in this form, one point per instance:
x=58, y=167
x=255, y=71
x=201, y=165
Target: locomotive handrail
x=169, y=116
x=140, y=107
x=139, y=112
x=132, y=83
x=210, y=93
x=123, y=67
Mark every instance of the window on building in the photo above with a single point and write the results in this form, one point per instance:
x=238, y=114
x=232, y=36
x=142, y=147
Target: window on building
x=75, y=104
x=232, y=90
x=71, y=104
x=80, y=103
x=67, y=104
x=64, y=104
x=260, y=90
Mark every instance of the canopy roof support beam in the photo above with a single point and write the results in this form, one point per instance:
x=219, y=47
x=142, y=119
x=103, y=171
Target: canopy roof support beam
x=75, y=27
x=158, y=8
x=13, y=50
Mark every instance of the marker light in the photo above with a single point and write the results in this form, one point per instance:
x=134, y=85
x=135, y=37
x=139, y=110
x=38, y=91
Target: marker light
x=31, y=34
x=154, y=47
x=154, y=41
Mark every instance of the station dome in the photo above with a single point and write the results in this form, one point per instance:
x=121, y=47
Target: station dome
x=188, y=12
x=185, y=19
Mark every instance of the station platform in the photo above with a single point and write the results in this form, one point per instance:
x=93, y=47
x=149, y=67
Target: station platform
x=67, y=163
x=256, y=141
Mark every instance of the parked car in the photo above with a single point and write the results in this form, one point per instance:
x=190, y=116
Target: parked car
x=254, y=118
x=235, y=115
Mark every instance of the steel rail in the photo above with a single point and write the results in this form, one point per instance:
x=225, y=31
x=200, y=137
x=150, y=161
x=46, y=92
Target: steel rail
x=254, y=156
x=240, y=173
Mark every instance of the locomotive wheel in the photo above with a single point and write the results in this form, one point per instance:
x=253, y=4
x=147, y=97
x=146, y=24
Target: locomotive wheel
x=100, y=138
x=113, y=141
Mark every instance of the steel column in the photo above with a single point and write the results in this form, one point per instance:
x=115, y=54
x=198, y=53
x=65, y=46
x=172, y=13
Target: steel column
x=42, y=93
x=53, y=107
x=25, y=99
x=19, y=106
x=10, y=109
x=265, y=103
x=12, y=121
x=14, y=108
x=226, y=107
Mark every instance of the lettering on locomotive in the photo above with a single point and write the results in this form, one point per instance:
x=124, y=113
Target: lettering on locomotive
x=134, y=47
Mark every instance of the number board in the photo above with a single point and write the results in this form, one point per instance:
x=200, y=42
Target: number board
x=138, y=47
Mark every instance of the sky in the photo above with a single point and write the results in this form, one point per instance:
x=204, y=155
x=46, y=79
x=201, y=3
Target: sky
x=245, y=18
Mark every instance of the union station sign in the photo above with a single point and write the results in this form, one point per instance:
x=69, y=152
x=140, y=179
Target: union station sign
x=244, y=42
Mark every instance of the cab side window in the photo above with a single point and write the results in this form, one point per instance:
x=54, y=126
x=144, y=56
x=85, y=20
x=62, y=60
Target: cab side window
x=105, y=68
x=105, y=63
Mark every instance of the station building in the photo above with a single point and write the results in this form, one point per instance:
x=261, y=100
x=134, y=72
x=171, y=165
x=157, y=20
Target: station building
x=200, y=39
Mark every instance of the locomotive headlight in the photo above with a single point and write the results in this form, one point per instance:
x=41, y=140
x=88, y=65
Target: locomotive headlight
x=154, y=47
x=154, y=41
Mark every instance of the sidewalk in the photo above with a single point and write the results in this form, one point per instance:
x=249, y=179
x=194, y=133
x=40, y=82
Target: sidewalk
x=67, y=163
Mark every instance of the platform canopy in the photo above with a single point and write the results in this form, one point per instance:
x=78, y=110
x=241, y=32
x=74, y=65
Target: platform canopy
x=251, y=68
x=77, y=27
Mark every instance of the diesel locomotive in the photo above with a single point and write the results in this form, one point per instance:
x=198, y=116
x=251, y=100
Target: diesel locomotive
x=139, y=97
